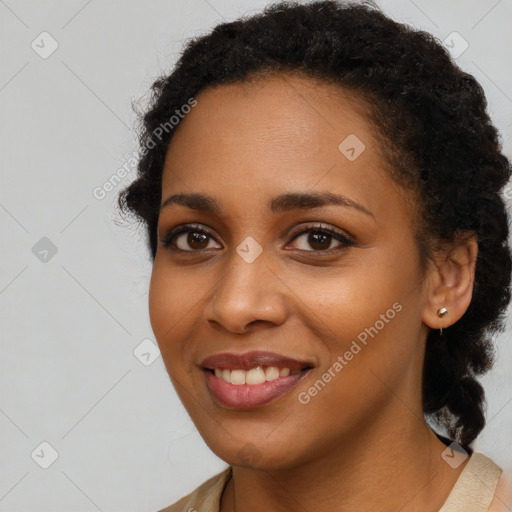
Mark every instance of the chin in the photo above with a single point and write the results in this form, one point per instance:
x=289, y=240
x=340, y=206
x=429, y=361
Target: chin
x=264, y=456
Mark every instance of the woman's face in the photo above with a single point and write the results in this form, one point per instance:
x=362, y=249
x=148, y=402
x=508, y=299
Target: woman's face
x=270, y=289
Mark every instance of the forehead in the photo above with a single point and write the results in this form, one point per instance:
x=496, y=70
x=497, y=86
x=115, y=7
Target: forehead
x=277, y=109
x=273, y=134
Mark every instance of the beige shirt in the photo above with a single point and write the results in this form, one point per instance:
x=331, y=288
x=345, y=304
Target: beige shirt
x=476, y=490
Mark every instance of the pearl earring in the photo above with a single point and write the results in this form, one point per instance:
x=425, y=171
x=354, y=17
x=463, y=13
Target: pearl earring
x=440, y=313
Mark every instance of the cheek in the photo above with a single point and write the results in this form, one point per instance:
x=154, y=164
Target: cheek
x=353, y=298
x=160, y=302
x=368, y=321
x=369, y=356
x=171, y=301
x=177, y=298
x=170, y=308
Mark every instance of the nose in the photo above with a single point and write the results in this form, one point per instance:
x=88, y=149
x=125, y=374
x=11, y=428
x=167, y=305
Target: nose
x=247, y=294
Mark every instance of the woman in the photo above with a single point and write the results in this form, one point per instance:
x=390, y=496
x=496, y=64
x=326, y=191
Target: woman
x=321, y=191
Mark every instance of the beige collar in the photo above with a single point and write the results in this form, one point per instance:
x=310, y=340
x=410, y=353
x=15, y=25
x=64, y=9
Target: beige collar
x=474, y=489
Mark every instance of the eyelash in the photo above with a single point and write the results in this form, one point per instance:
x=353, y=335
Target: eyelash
x=171, y=235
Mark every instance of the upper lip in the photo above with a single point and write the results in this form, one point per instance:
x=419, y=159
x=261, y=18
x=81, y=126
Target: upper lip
x=248, y=360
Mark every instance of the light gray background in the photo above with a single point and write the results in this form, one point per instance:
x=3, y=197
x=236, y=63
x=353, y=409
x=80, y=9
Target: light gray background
x=70, y=324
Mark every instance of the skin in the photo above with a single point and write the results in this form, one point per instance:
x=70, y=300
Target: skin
x=362, y=442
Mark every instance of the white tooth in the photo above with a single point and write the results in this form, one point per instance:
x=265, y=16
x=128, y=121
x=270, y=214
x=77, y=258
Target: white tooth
x=218, y=373
x=272, y=373
x=284, y=372
x=226, y=375
x=238, y=377
x=255, y=376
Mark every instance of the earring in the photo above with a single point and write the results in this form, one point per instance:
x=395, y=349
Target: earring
x=440, y=313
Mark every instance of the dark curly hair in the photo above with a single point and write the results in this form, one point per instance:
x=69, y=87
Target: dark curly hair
x=433, y=128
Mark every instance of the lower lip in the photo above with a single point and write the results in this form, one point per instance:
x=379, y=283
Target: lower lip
x=250, y=396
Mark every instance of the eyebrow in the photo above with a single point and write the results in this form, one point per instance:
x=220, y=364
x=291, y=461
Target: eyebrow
x=278, y=204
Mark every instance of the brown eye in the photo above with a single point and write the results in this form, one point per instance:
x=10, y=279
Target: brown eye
x=320, y=239
x=197, y=239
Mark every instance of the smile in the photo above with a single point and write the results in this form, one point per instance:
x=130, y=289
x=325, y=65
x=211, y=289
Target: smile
x=257, y=375
x=251, y=380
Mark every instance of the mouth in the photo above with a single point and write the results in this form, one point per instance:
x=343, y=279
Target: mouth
x=254, y=376
x=251, y=380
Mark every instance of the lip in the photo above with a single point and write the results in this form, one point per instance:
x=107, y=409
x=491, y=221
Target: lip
x=251, y=396
x=248, y=360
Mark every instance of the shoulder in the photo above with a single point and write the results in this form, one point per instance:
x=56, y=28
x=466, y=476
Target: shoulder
x=205, y=497
x=502, y=501
x=476, y=486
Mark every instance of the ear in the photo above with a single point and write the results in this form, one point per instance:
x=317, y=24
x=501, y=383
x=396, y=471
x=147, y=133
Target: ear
x=450, y=280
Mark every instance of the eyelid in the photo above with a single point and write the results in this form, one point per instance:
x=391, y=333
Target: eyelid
x=344, y=239
x=320, y=226
x=173, y=233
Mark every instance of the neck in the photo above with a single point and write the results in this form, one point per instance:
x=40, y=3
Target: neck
x=399, y=469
